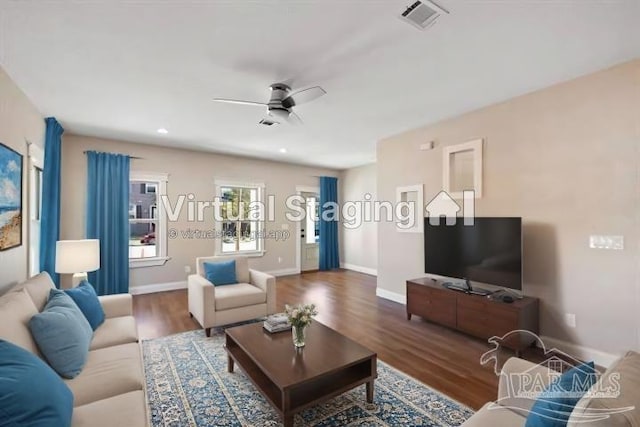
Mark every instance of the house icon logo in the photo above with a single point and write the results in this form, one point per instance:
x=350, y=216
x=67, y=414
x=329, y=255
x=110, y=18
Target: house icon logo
x=521, y=388
x=444, y=206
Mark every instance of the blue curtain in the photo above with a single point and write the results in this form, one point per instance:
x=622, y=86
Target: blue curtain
x=329, y=256
x=50, y=214
x=108, y=220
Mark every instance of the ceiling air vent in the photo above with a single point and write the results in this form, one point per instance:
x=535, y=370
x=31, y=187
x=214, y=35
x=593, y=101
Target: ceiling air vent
x=422, y=15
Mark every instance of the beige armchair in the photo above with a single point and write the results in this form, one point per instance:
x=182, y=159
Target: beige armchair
x=253, y=296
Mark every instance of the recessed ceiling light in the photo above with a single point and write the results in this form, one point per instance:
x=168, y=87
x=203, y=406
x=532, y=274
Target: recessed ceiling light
x=283, y=150
x=163, y=131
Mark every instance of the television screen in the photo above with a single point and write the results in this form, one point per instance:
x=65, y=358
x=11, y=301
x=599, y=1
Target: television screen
x=490, y=251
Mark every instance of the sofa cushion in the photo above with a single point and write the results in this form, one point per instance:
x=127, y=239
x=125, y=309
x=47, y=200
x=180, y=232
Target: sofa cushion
x=624, y=377
x=238, y=295
x=16, y=309
x=129, y=409
x=85, y=297
x=555, y=404
x=492, y=415
x=221, y=273
x=31, y=394
x=38, y=288
x=115, y=331
x=109, y=372
x=63, y=334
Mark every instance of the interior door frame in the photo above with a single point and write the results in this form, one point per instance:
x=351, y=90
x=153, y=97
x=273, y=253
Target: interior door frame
x=299, y=190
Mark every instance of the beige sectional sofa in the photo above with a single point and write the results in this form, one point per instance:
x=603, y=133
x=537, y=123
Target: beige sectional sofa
x=510, y=410
x=110, y=390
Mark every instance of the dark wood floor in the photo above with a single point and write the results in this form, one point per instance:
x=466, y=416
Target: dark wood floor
x=446, y=360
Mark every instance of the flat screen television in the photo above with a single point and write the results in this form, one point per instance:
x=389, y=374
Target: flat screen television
x=490, y=251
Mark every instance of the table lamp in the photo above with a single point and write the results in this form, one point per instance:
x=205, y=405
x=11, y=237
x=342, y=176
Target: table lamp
x=77, y=257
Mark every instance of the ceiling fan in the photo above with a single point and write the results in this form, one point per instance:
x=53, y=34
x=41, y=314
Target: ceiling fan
x=281, y=103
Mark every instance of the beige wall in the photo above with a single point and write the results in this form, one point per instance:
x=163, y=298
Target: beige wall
x=189, y=172
x=565, y=159
x=359, y=246
x=20, y=121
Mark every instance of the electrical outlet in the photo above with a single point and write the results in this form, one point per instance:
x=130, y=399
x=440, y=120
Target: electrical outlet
x=187, y=269
x=570, y=320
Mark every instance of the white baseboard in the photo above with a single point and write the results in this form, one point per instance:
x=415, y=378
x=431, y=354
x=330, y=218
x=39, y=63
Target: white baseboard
x=283, y=272
x=173, y=286
x=392, y=296
x=157, y=287
x=359, y=269
x=580, y=352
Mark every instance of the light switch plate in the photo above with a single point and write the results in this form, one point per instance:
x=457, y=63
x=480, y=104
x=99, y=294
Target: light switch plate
x=613, y=242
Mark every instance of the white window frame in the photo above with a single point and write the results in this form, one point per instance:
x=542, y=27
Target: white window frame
x=36, y=162
x=219, y=184
x=161, y=229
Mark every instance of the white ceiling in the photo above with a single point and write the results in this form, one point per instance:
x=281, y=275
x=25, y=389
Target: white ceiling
x=124, y=69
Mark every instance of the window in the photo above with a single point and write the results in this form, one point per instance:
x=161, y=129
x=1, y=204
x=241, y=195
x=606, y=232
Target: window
x=36, y=156
x=242, y=218
x=37, y=174
x=147, y=221
x=312, y=223
x=150, y=188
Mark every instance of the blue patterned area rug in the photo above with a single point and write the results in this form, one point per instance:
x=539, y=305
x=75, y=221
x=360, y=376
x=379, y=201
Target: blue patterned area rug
x=188, y=385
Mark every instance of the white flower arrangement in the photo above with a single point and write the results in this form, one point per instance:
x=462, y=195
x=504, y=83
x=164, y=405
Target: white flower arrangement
x=300, y=315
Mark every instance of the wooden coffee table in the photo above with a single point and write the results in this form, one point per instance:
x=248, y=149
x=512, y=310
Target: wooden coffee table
x=293, y=380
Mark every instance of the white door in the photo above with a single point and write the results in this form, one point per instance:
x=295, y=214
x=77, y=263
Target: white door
x=309, y=250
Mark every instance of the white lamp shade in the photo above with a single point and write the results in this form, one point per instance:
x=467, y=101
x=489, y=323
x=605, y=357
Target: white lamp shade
x=77, y=256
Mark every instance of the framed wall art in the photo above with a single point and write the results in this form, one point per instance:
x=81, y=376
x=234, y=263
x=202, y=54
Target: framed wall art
x=10, y=198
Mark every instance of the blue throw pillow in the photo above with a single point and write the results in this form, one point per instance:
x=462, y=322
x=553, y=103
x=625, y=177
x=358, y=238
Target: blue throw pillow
x=31, y=394
x=555, y=404
x=221, y=273
x=85, y=297
x=63, y=334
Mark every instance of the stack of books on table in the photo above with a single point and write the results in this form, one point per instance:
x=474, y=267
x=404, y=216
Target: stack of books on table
x=277, y=323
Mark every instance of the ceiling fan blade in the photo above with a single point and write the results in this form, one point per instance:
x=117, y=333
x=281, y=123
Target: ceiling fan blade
x=294, y=119
x=303, y=96
x=238, y=101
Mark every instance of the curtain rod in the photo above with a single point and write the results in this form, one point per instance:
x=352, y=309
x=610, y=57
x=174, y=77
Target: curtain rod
x=131, y=157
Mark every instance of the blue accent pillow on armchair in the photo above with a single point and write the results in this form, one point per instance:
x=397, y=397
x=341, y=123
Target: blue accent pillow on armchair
x=221, y=273
x=62, y=334
x=31, y=394
x=555, y=404
x=85, y=297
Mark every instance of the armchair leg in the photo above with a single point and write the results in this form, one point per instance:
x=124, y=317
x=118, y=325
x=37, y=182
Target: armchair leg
x=207, y=331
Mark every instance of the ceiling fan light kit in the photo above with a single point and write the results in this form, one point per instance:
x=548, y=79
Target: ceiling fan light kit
x=281, y=103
